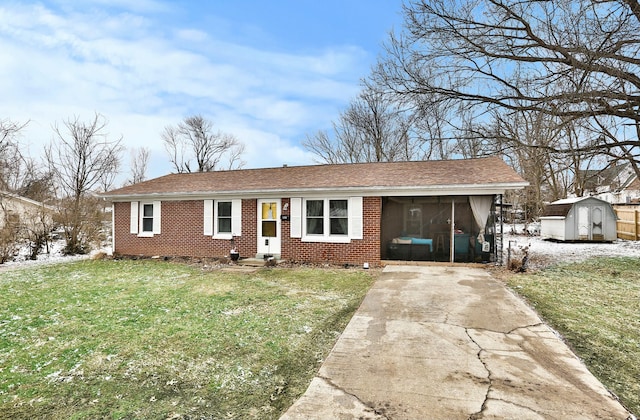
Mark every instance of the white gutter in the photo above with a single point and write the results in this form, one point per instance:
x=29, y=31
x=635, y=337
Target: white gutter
x=438, y=190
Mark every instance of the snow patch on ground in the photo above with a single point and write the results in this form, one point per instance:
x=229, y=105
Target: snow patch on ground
x=54, y=256
x=544, y=253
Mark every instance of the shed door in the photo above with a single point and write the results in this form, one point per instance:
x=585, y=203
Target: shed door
x=583, y=223
x=597, y=233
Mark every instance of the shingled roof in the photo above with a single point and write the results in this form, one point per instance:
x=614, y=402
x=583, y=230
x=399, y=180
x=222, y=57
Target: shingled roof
x=481, y=172
x=561, y=208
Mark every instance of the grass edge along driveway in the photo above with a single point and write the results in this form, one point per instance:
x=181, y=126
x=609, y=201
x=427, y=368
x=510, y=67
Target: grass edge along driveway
x=595, y=306
x=152, y=339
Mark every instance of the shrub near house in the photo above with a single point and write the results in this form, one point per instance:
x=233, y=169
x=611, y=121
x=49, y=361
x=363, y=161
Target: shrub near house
x=23, y=220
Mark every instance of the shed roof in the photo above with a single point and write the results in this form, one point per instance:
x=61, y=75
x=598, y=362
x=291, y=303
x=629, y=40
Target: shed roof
x=553, y=210
x=383, y=176
x=563, y=206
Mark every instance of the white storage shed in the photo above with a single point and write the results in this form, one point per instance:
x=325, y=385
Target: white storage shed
x=579, y=219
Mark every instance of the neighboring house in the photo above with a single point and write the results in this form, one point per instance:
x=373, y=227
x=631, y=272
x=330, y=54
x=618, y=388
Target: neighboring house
x=579, y=219
x=348, y=213
x=29, y=213
x=616, y=185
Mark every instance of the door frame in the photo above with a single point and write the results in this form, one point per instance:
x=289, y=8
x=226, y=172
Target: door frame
x=269, y=245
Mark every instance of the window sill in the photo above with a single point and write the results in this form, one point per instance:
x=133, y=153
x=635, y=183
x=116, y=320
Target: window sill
x=327, y=239
x=145, y=235
x=226, y=236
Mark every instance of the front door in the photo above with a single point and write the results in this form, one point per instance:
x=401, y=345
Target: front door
x=269, y=227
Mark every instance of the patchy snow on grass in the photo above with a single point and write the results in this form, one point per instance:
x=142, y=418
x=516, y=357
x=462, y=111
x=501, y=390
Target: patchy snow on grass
x=541, y=252
x=55, y=255
x=544, y=252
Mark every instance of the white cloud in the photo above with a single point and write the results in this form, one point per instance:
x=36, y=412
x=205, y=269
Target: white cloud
x=57, y=65
x=134, y=6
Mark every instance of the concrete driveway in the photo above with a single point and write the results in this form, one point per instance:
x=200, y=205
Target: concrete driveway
x=450, y=343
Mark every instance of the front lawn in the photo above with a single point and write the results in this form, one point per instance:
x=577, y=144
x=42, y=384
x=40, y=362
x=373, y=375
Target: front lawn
x=157, y=340
x=595, y=305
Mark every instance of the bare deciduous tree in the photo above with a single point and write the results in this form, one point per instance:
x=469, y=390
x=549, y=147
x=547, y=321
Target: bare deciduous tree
x=139, y=165
x=80, y=158
x=35, y=182
x=9, y=232
x=371, y=129
x=574, y=60
x=11, y=158
x=545, y=171
x=193, y=146
x=8, y=131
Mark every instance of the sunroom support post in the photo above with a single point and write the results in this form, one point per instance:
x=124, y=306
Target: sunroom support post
x=452, y=241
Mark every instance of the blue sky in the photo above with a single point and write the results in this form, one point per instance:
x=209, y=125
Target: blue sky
x=269, y=72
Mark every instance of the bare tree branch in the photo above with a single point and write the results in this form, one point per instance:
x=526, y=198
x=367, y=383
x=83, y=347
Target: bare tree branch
x=194, y=147
x=81, y=158
x=574, y=60
x=11, y=158
x=371, y=129
x=139, y=165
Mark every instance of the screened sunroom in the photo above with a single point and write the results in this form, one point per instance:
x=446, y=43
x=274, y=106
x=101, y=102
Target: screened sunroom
x=441, y=228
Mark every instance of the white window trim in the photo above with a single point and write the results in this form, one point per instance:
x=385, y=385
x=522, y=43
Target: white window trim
x=354, y=215
x=137, y=212
x=216, y=233
x=211, y=219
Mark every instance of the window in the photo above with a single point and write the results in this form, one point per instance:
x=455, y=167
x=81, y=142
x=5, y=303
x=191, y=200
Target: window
x=315, y=218
x=413, y=220
x=327, y=217
x=223, y=220
x=145, y=218
x=338, y=217
x=327, y=220
x=269, y=219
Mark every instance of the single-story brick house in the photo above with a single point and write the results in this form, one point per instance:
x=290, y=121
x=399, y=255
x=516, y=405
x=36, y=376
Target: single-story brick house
x=345, y=213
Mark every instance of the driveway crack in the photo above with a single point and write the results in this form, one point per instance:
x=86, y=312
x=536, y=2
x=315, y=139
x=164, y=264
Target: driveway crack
x=483, y=407
x=492, y=380
x=364, y=404
x=525, y=327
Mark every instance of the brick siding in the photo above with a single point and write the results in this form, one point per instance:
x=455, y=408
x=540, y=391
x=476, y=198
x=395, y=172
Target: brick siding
x=182, y=234
x=358, y=251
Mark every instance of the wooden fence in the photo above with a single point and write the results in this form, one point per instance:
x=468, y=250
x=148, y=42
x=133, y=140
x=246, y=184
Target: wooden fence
x=628, y=224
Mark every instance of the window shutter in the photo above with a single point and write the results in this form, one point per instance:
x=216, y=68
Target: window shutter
x=236, y=217
x=156, y=218
x=208, y=217
x=133, y=224
x=355, y=218
x=296, y=217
